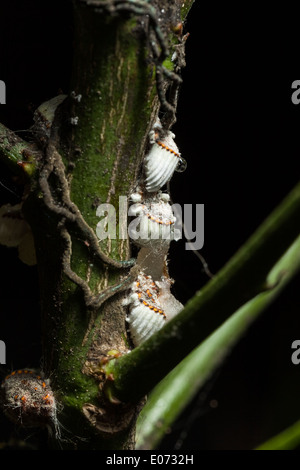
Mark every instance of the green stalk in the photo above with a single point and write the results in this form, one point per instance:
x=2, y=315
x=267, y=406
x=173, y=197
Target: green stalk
x=242, y=279
x=105, y=123
x=176, y=390
x=288, y=439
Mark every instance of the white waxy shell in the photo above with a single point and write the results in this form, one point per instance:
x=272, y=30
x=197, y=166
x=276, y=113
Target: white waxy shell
x=151, y=305
x=160, y=163
x=165, y=197
x=155, y=224
x=136, y=197
x=143, y=322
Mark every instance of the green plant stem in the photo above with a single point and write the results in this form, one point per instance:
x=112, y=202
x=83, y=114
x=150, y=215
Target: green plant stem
x=244, y=276
x=176, y=390
x=103, y=136
x=288, y=439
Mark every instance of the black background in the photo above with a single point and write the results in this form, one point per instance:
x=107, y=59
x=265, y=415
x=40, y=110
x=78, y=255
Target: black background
x=239, y=132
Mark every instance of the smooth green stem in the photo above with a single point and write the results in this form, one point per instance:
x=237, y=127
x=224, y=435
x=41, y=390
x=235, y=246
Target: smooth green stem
x=103, y=131
x=176, y=390
x=288, y=439
x=240, y=280
x=103, y=136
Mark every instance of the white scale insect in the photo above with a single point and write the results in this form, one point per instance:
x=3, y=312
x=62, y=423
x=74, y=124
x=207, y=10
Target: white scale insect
x=162, y=160
x=151, y=305
x=156, y=220
x=150, y=301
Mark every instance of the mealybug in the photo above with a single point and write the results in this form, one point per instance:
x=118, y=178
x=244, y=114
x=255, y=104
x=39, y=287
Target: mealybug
x=151, y=305
x=155, y=220
x=162, y=160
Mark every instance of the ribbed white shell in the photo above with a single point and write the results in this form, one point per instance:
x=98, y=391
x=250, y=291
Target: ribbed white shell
x=143, y=322
x=161, y=162
x=151, y=305
x=155, y=223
